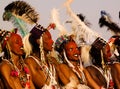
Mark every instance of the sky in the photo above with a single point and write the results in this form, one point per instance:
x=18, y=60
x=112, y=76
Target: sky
x=90, y=8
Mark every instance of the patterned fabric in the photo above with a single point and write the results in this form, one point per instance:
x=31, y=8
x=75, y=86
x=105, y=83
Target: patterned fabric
x=99, y=43
x=60, y=40
x=4, y=35
x=37, y=31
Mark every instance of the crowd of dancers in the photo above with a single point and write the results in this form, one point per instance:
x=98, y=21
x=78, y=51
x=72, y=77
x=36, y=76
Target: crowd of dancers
x=80, y=59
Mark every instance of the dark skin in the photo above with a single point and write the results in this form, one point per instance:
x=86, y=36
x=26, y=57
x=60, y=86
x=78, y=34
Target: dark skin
x=115, y=69
x=2, y=86
x=39, y=76
x=14, y=44
x=96, y=74
x=65, y=72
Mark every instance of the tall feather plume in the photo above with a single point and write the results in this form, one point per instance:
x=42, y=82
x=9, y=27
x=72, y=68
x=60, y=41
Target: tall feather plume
x=20, y=25
x=55, y=18
x=79, y=28
x=82, y=18
x=20, y=14
x=119, y=14
x=27, y=46
x=22, y=10
x=105, y=20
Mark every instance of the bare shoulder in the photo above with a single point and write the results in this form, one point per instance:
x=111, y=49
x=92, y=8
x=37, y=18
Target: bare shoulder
x=90, y=68
x=116, y=65
x=63, y=66
x=29, y=60
x=5, y=65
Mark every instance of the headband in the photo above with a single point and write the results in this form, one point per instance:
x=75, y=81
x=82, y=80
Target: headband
x=38, y=30
x=99, y=43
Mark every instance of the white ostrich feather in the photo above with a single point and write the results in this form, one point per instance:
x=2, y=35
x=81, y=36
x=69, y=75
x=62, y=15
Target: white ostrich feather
x=56, y=20
x=79, y=27
x=74, y=85
x=85, y=55
x=26, y=45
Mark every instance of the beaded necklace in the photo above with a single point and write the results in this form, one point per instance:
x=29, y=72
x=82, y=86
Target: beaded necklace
x=22, y=73
x=49, y=72
x=48, y=68
x=80, y=67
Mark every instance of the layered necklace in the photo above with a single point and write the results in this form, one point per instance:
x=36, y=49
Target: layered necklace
x=47, y=68
x=79, y=68
x=22, y=73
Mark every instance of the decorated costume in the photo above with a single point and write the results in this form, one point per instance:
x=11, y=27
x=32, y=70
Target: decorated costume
x=7, y=59
x=59, y=47
x=100, y=62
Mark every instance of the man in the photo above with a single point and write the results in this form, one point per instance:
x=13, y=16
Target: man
x=40, y=42
x=13, y=70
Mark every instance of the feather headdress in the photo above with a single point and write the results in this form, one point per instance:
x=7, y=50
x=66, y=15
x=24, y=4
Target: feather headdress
x=20, y=13
x=105, y=20
x=81, y=31
x=55, y=18
x=119, y=14
x=82, y=18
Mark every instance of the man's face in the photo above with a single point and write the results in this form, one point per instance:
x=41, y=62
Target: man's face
x=107, y=52
x=15, y=44
x=72, y=51
x=47, y=41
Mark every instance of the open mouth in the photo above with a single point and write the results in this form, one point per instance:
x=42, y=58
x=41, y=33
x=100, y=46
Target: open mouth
x=76, y=55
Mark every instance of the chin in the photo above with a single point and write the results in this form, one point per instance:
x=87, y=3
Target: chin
x=50, y=49
x=75, y=59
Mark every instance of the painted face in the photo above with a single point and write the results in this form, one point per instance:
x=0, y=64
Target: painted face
x=72, y=51
x=111, y=44
x=15, y=43
x=107, y=52
x=47, y=41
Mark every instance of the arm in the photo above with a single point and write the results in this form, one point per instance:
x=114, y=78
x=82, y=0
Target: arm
x=63, y=71
x=6, y=75
x=37, y=73
x=90, y=81
x=67, y=76
x=115, y=70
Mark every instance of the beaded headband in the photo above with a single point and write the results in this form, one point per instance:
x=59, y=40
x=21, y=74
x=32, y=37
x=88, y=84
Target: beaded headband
x=38, y=30
x=4, y=36
x=60, y=40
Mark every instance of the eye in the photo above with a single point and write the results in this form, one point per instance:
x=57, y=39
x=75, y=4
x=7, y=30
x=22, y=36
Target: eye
x=16, y=41
x=77, y=48
x=70, y=49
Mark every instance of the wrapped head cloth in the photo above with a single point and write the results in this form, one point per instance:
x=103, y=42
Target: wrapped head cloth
x=37, y=31
x=61, y=41
x=95, y=50
x=99, y=43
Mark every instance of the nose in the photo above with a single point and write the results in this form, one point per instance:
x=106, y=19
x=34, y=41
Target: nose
x=109, y=55
x=77, y=51
x=52, y=41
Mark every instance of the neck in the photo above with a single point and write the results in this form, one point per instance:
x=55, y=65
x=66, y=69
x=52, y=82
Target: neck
x=75, y=62
x=15, y=58
x=37, y=54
